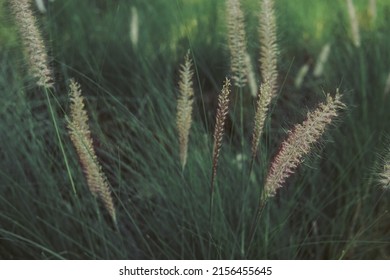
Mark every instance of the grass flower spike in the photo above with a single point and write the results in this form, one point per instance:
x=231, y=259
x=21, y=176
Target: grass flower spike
x=263, y=102
x=321, y=61
x=33, y=43
x=268, y=65
x=81, y=137
x=354, y=23
x=223, y=108
x=184, y=107
x=268, y=49
x=299, y=142
x=237, y=42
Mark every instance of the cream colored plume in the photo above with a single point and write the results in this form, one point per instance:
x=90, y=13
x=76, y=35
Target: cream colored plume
x=81, y=137
x=299, y=142
x=33, y=44
x=184, y=107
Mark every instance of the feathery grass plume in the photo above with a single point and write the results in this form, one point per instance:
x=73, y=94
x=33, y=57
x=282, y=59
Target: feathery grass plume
x=237, y=42
x=81, y=138
x=354, y=23
x=268, y=65
x=134, y=27
x=251, y=75
x=184, y=107
x=301, y=75
x=268, y=41
x=263, y=101
x=223, y=108
x=33, y=43
x=322, y=59
x=299, y=142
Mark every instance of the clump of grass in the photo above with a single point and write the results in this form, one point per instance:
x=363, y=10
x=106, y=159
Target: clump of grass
x=184, y=107
x=34, y=46
x=80, y=135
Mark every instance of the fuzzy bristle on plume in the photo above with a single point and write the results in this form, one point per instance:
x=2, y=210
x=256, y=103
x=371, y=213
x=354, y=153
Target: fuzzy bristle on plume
x=299, y=142
x=81, y=138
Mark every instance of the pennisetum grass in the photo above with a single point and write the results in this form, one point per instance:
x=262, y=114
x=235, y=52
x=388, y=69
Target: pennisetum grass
x=321, y=61
x=237, y=43
x=222, y=111
x=184, y=107
x=240, y=62
x=134, y=27
x=268, y=66
x=301, y=75
x=81, y=138
x=298, y=144
x=38, y=61
x=34, y=46
x=354, y=23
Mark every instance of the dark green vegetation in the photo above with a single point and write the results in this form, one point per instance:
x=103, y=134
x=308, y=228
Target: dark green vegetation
x=331, y=208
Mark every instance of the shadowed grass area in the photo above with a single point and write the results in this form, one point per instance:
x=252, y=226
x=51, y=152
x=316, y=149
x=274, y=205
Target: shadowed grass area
x=331, y=208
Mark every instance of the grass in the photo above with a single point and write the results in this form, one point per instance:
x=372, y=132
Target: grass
x=331, y=208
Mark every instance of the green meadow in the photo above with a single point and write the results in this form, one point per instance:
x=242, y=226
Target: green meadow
x=127, y=56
